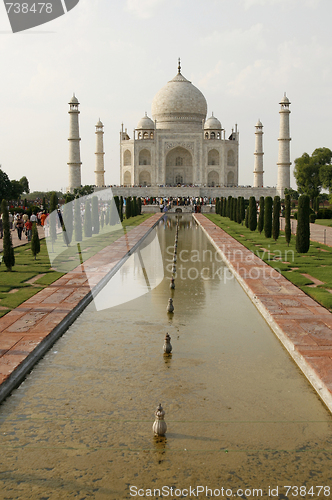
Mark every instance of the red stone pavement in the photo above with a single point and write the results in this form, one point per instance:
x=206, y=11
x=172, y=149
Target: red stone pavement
x=322, y=234
x=301, y=324
x=23, y=328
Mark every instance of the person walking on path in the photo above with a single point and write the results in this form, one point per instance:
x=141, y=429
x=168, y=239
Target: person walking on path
x=19, y=227
x=28, y=229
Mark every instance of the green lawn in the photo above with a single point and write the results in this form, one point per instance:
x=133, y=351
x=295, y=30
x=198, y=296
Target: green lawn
x=317, y=262
x=324, y=222
x=14, y=288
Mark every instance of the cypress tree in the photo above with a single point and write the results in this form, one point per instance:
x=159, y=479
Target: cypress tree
x=224, y=207
x=77, y=220
x=260, y=225
x=102, y=219
x=87, y=220
x=303, y=226
x=53, y=217
x=217, y=205
x=268, y=217
x=229, y=207
x=128, y=207
x=68, y=220
x=8, y=250
x=276, y=218
x=234, y=217
x=246, y=219
x=95, y=215
x=117, y=204
x=288, y=232
x=238, y=210
x=44, y=204
x=35, y=243
x=134, y=206
x=252, y=214
x=243, y=209
x=139, y=205
x=121, y=208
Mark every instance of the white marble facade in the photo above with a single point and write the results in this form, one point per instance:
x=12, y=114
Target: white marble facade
x=179, y=146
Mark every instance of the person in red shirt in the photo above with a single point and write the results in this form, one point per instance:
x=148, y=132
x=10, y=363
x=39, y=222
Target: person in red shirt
x=28, y=229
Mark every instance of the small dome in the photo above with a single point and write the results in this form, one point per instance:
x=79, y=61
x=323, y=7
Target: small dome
x=145, y=123
x=284, y=100
x=259, y=124
x=73, y=100
x=212, y=123
x=99, y=124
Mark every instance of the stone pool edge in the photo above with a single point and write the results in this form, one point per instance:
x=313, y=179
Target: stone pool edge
x=23, y=367
x=310, y=372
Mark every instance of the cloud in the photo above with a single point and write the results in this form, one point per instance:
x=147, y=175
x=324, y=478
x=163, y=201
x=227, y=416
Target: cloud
x=266, y=3
x=144, y=9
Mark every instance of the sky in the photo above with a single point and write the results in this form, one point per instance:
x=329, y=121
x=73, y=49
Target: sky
x=116, y=55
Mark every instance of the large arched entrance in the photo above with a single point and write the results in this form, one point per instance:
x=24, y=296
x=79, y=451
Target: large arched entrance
x=179, y=167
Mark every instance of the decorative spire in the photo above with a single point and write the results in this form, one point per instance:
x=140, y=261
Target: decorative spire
x=179, y=67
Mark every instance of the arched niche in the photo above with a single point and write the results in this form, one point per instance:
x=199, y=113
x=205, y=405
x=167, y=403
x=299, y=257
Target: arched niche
x=213, y=179
x=145, y=178
x=179, y=165
x=230, y=179
x=144, y=157
x=231, y=158
x=127, y=158
x=127, y=179
x=213, y=157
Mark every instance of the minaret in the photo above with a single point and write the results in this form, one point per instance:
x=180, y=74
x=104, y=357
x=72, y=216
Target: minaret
x=284, y=162
x=74, y=162
x=258, y=168
x=99, y=172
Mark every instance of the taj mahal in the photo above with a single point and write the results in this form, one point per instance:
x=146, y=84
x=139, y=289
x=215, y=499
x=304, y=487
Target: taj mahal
x=180, y=147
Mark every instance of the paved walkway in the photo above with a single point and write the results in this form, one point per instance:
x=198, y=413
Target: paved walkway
x=303, y=326
x=23, y=241
x=322, y=234
x=23, y=329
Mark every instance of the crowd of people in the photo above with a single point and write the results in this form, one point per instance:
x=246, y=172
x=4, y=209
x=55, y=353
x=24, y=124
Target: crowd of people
x=22, y=223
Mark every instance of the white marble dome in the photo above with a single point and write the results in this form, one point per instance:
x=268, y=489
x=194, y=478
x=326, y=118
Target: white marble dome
x=179, y=101
x=212, y=123
x=145, y=123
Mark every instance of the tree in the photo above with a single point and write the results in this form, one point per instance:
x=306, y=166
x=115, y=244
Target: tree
x=53, y=217
x=121, y=208
x=260, y=225
x=25, y=184
x=8, y=250
x=268, y=217
x=224, y=207
x=238, y=210
x=5, y=186
x=83, y=190
x=128, y=207
x=276, y=218
x=35, y=243
x=139, y=205
x=303, y=226
x=293, y=194
x=252, y=217
x=68, y=225
x=134, y=207
x=234, y=214
x=16, y=190
x=217, y=205
x=229, y=207
x=87, y=220
x=246, y=219
x=77, y=220
x=95, y=215
x=243, y=209
x=288, y=232
x=309, y=172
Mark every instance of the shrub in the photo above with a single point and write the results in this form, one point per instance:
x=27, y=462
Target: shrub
x=268, y=217
x=95, y=215
x=303, y=227
x=8, y=250
x=276, y=218
x=77, y=220
x=312, y=218
x=252, y=214
x=288, y=232
x=87, y=220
